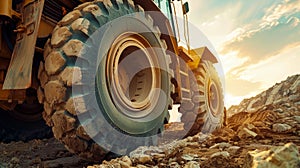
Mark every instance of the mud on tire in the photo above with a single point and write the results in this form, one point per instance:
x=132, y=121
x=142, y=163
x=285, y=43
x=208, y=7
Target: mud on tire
x=66, y=88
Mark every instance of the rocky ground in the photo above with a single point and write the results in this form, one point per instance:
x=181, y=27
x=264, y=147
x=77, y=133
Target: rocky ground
x=38, y=153
x=262, y=132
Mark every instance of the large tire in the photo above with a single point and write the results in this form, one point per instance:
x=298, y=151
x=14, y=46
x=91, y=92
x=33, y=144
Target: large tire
x=206, y=111
x=83, y=100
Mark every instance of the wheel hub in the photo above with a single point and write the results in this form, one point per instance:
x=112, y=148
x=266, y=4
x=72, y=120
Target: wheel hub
x=133, y=77
x=214, y=97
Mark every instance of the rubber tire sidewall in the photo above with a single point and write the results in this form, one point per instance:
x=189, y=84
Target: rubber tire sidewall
x=136, y=23
x=212, y=122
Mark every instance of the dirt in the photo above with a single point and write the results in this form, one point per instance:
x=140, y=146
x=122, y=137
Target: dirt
x=206, y=150
x=266, y=136
x=228, y=147
x=263, y=131
x=38, y=153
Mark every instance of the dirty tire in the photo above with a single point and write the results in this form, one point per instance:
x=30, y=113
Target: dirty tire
x=65, y=77
x=205, y=112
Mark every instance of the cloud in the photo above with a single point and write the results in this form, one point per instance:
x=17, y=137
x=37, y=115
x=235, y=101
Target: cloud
x=273, y=16
x=216, y=22
x=275, y=69
x=258, y=41
x=278, y=28
x=249, y=51
x=277, y=11
x=294, y=21
x=247, y=81
x=237, y=86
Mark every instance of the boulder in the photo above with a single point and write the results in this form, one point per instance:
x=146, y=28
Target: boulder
x=281, y=127
x=286, y=156
x=246, y=133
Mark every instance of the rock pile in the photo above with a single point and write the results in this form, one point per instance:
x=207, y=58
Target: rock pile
x=263, y=131
x=286, y=156
x=193, y=153
x=286, y=93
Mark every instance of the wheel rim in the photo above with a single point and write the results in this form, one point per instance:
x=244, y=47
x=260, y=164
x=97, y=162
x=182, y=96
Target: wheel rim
x=213, y=98
x=132, y=76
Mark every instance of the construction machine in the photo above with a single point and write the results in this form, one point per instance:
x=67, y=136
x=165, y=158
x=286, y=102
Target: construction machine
x=94, y=69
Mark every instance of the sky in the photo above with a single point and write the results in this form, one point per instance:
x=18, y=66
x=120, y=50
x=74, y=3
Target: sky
x=257, y=42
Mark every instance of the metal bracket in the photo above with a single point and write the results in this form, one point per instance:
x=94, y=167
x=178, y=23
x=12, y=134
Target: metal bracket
x=19, y=72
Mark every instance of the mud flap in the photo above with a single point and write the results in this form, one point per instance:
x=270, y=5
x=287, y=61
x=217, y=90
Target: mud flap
x=19, y=72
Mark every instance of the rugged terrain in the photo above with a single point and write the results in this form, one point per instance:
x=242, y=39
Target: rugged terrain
x=263, y=131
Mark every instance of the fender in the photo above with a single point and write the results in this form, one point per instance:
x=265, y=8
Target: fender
x=164, y=25
x=195, y=56
x=20, y=68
